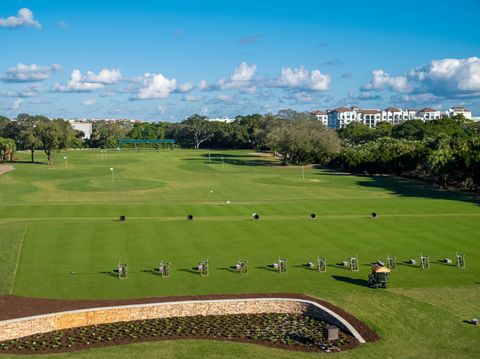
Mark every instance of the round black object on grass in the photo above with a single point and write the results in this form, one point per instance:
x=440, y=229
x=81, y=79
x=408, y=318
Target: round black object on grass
x=122, y=218
x=190, y=217
x=374, y=215
x=313, y=216
x=256, y=217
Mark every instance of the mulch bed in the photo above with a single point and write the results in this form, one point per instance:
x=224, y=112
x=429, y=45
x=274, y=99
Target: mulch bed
x=287, y=331
x=12, y=306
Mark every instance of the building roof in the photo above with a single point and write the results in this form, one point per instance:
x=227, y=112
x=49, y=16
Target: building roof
x=342, y=109
x=460, y=109
x=428, y=109
x=370, y=112
x=392, y=109
x=318, y=112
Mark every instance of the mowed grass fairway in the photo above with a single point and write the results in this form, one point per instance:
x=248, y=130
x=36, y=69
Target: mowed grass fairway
x=55, y=220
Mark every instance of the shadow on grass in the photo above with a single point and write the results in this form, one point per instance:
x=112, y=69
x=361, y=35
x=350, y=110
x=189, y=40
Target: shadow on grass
x=408, y=264
x=113, y=273
x=153, y=271
x=414, y=188
x=268, y=268
x=189, y=270
x=28, y=162
x=231, y=269
x=356, y=281
x=236, y=162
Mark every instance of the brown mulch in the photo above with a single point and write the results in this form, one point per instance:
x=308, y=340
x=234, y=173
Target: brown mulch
x=12, y=306
x=6, y=168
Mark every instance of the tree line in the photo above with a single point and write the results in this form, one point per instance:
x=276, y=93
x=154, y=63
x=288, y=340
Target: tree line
x=444, y=151
x=295, y=137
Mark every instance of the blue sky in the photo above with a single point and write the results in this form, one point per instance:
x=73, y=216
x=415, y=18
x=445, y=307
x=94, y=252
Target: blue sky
x=164, y=60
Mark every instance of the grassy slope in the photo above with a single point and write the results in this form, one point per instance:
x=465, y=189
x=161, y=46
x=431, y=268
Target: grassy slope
x=70, y=212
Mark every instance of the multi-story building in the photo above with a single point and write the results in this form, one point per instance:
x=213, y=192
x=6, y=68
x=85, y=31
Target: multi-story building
x=342, y=116
x=321, y=116
x=459, y=110
x=368, y=117
x=428, y=114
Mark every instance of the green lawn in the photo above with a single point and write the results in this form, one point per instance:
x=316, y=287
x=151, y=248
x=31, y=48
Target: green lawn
x=64, y=220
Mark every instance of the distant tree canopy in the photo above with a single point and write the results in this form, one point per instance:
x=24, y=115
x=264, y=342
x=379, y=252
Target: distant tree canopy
x=444, y=151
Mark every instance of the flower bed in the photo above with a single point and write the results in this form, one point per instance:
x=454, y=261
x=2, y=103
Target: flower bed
x=289, y=331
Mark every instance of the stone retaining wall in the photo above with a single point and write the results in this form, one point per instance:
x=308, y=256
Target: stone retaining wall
x=21, y=327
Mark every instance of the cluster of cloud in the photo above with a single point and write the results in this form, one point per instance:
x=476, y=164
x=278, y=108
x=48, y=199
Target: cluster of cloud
x=29, y=73
x=155, y=86
x=88, y=82
x=32, y=90
x=243, y=79
x=24, y=18
x=304, y=79
x=453, y=78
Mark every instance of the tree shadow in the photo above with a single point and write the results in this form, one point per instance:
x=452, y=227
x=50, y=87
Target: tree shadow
x=405, y=187
x=356, y=281
x=236, y=162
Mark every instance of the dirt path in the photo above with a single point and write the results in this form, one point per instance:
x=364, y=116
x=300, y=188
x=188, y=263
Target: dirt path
x=6, y=168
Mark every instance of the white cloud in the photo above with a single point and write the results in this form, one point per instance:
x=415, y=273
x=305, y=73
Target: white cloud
x=303, y=79
x=16, y=104
x=440, y=78
x=192, y=98
x=105, y=76
x=240, y=78
x=156, y=86
x=243, y=72
x=29, y=73
x=449, y=76
x=24, y=18
x=224, y=98
x=89, y=102
x=203, y=85
x=383, y=81
x=26, y=91
x=77, y=83
x=162, y=109
x=185, y=87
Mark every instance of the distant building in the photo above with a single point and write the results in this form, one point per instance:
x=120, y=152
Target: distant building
x=429, y=114
x=223, y=119
x=342, y=116
x=459, y=110
x=82, y=125
x=321, y=116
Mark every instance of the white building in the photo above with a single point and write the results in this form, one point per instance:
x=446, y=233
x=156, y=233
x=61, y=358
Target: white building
x=85, y=127
x=459, y=110
x=341, y=117
x=369, y=118
x=321, y=116
x=394, y=115
x=428, y=114
x=223, y=119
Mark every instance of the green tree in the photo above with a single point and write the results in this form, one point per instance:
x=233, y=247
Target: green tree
x=194, y=131
x=7, y=149
x=51, y=137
